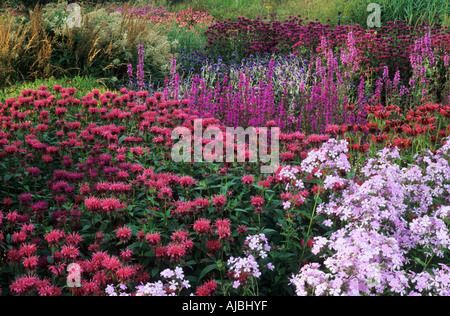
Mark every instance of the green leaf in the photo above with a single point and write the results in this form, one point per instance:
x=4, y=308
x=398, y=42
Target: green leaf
x=208, y=269
x=420, y=261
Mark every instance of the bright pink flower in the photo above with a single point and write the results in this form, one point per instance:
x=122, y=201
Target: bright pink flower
x=223, y=228
x=19, y=237
x=201, y=202
x=111, y=204
x=126, y=254
x=23, y=284
x=179, y=235
x=93, y=204
x=125, y=273
x=54, y=237
x=153, y=239
x=70, y=252
x=202, y=226
x=186, y=181
x=219, y=200
x=165, y=192
x=176, y=251
x=27, y=250
x=12, y=217
x=248, y=179
x=161, y=252
x=124, y=233
x=257, y=201
x=74, y=239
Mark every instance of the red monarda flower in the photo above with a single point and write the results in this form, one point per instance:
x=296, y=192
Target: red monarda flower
x=74, y=239
x=186, y=181
x=124, y=274
x=179, y=235
x=257, y=202
x=165, y=192
x=124, y=233
x=111, y=204
x=25, y=199
x=309, y=244
x=207, y=289
x=70, y=252
x=33, y=172
x=30, y=263
x=19, y=237
x=23, y=284
x=12, y=217
x=248, y=179
x=160, y=252
x=213, y=245
x=126, y=254
x=201, y=202
x=93, y=204
x=287, y=156
x=333, y=129
x=153, y=239
x=27, y=250
x=242, y=230
x=176, y=251
x=223, y=228
x=219, y=200
x=202, y=226
x=54, y=236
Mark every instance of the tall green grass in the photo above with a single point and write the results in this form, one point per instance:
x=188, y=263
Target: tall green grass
x=224, y=9
x=83, y=85
x=416, y=10
x=412, y=11
x=326, y=11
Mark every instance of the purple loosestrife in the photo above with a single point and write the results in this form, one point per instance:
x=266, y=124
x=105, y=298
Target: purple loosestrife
x=140, y=68
x=130, y=72
x=422, y=62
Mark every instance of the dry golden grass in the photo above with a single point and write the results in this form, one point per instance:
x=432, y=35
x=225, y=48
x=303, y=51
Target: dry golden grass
x=103, y=46
x=25, y=49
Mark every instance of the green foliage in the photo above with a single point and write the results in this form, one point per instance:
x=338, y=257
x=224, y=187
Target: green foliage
x=412, y=11
x=84, y=85
x=42, y=45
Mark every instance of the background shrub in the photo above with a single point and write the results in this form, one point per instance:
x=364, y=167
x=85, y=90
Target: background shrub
x=43, y=45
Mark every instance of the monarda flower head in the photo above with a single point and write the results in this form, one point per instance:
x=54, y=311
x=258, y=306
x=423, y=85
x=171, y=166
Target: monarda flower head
x=111, y=204
x=248, y=179
x=186, y=181
x=54, y=237
x=223, y=228
x=124, y=234
x=176, y=251
x=202, y=226
x=93, y=204
x=257, y=202
x=153, y=238
x=219, y=200
x=207, y=288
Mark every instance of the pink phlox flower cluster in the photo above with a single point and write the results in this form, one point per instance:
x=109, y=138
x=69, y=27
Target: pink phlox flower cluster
x=255, y=247
x=384, y=218
x=258, y=245
x=239, y=267
x=332, y=155
x=436, y=283
x=173, y=284
x=431, y=232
